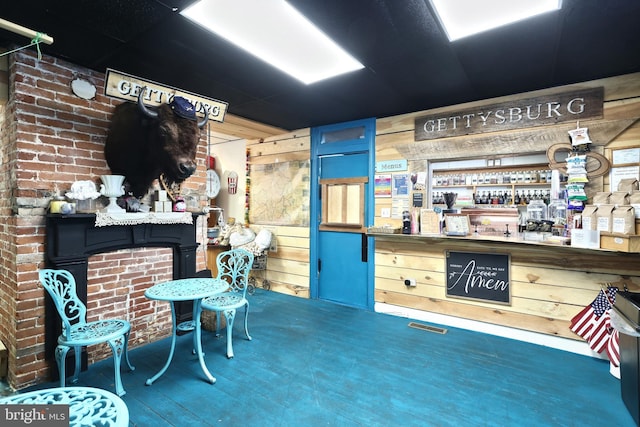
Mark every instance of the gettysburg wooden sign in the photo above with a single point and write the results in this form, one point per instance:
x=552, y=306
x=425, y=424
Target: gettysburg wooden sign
x=515, y=114
x=125, y=86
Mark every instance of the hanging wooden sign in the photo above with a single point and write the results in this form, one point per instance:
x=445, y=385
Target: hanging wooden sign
x=125, y=86
x=516, y=114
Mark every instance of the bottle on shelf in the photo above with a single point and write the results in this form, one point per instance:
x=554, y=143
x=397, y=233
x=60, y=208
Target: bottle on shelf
x=508, y=200
x=485, y=197
x=535, y=177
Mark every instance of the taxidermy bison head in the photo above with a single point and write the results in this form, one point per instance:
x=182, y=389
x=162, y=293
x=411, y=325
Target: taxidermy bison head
x=144, y=143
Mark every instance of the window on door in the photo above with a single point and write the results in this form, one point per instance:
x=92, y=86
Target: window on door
x=343, y=204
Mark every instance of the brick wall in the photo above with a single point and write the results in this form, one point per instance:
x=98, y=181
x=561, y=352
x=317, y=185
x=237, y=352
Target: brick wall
x=49, y=139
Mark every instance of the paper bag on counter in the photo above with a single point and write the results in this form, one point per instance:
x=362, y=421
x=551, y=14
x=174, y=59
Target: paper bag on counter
x=589, y=217
x=623, y=220
x=604, y=217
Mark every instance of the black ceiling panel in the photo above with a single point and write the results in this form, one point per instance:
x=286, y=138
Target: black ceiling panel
x=409, y=63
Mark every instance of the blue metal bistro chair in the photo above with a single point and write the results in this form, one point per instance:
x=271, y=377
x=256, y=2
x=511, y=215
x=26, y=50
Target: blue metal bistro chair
x=77, y=332
x=233, y=268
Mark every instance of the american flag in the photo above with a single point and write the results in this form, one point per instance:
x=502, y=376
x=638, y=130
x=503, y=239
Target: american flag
x=593, y=323
x=613, y=348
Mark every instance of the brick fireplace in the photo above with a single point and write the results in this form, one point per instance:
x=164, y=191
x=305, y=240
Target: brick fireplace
x=50, y=138
x=72, y=239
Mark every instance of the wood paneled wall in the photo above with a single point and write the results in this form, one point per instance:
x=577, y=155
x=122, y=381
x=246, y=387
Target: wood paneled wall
x=549, y=284
x=287, y=267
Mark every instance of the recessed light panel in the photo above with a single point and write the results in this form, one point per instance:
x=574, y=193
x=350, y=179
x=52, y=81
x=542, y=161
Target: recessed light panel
x=462, y=18
x=277, y=33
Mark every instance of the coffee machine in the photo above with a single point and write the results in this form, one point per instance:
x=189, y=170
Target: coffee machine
x=450, y=201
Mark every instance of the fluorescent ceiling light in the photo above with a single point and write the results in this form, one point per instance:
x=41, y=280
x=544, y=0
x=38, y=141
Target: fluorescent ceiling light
x=461, y=18
x=277, y=33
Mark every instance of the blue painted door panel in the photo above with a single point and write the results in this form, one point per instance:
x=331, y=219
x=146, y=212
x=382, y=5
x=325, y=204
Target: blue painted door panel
x=342, y=265
x=343, y=276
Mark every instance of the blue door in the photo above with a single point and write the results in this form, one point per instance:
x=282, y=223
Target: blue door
x=341, y=253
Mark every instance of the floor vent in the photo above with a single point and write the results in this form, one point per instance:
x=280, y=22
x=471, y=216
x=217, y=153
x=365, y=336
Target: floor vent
x=434, y=329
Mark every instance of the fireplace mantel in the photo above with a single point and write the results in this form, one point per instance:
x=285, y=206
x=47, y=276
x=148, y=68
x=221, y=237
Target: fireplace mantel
x=72, y=239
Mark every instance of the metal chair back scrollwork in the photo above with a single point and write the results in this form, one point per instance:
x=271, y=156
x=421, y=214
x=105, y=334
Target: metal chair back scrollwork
x=233, y=267
x=77, y=332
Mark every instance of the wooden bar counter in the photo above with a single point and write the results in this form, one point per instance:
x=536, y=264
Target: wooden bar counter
x=549, y=283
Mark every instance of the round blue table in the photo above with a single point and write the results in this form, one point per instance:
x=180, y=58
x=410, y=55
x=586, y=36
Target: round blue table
x=194, y=289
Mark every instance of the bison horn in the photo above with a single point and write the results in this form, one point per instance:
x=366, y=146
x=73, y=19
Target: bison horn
x=143, y=108
x=203, y=122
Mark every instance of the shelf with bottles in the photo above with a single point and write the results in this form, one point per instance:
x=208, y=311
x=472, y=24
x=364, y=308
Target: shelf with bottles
x=508, y=197
x=514, y=176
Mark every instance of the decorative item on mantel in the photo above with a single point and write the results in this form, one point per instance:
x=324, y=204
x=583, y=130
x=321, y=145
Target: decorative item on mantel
x=104, y=219
x=84, y=193
x=112, y=188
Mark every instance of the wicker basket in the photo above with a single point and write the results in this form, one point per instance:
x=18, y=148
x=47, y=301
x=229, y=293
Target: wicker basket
x=208, y=320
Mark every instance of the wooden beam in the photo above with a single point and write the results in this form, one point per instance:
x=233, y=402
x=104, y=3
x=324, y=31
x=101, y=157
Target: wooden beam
x=24, y=31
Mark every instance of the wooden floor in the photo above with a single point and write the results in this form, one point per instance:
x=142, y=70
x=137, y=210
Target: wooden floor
x=313, y=363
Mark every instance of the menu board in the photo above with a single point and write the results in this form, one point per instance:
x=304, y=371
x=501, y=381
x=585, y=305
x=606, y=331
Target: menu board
x=429, y=222
x=480, y=276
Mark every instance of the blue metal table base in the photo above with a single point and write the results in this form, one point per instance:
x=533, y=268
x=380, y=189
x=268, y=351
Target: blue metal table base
x=197, y=342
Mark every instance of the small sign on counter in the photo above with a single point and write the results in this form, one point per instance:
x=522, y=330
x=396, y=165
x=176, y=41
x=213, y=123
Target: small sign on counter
x=457, y=224
x=429, y=222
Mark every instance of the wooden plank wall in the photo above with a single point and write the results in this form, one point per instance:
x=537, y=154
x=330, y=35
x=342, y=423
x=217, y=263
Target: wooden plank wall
x=545, y=294
x=288, y=267
x=547, y=288
x=549, y=285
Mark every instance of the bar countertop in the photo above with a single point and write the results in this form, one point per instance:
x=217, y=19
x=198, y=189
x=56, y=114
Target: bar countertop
x=515, y=238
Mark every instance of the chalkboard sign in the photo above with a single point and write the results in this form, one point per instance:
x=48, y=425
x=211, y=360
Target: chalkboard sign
x=481, y=276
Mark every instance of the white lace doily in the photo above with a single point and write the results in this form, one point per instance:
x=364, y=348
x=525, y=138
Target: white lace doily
x=135, y=218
